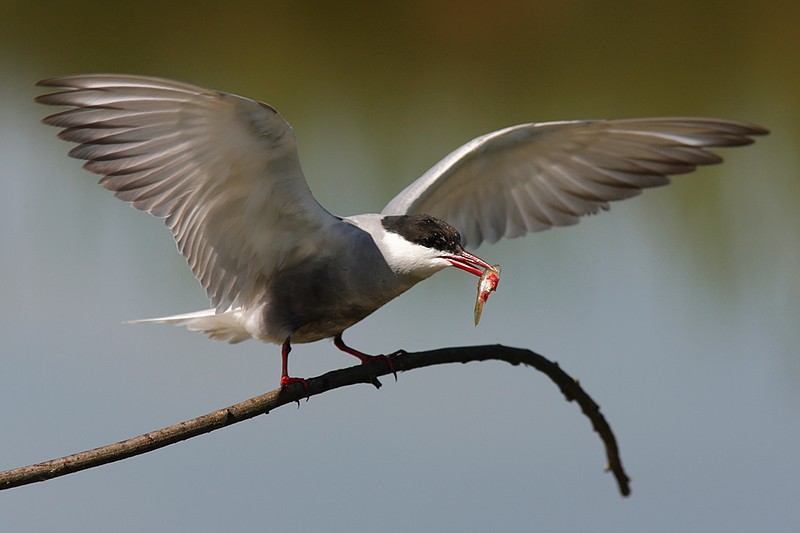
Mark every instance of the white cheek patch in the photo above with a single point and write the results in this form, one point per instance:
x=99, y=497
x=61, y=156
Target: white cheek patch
x=405, y=257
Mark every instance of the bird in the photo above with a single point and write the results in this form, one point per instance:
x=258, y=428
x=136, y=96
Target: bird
x=223, y=172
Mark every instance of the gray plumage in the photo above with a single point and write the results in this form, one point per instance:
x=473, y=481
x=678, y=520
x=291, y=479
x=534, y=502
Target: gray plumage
x=224, y=174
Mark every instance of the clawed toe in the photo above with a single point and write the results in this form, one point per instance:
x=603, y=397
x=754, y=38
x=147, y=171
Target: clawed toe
x=288, y=380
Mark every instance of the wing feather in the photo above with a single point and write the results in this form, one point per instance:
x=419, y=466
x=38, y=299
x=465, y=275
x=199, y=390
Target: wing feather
x=222, y=171
x=532, y=177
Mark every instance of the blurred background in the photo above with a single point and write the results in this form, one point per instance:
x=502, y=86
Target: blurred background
x=678, y=311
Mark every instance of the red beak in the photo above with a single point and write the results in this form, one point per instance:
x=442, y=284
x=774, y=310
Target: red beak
x=468, y=262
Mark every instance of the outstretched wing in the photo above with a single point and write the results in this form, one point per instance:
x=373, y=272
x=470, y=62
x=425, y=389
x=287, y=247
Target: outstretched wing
x=535, y=176
x=222, y=171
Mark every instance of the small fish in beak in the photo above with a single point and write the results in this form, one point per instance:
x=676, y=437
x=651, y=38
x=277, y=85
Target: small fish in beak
x=488, y=283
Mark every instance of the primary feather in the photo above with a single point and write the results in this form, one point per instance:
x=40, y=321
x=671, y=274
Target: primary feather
x=532, y=177
x=222, y=171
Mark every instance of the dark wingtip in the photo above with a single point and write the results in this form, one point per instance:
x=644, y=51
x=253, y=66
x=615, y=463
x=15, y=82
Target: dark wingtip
x=753, y=129
x=55, y=81
x=52, y=97
x=46, y=99
x=749, y=128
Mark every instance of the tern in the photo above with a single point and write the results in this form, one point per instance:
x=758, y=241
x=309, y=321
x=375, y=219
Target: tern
x=223, y=172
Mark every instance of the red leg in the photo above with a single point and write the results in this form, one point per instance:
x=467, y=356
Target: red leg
x=365, y=358
x=285, y=378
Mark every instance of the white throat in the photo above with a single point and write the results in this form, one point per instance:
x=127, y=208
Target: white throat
x=407, y=258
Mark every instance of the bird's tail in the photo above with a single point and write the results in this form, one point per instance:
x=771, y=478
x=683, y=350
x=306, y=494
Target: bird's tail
x=218, y=326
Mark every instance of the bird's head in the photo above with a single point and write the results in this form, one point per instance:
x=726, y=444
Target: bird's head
x=421, y=245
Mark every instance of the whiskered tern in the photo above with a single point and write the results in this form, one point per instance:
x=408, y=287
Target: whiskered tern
x=224, y=174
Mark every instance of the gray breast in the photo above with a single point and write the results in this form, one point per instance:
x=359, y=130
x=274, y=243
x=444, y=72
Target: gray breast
x=329, y=292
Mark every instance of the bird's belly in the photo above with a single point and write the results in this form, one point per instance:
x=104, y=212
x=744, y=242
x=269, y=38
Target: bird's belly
x=310, y=320
x=329, y=326
x=314, y=311
x=320, y=298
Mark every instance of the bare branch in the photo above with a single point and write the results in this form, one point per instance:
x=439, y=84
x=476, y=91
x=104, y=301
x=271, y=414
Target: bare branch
x=264, y=403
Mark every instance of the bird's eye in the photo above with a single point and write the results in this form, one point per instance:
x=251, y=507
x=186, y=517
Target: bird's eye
x=435, y=240
x=440, y=241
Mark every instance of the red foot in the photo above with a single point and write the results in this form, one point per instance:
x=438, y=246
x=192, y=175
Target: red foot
x=288, y=380
x=366, y=358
